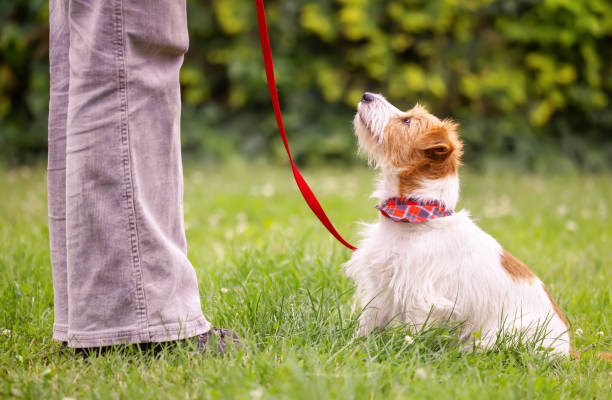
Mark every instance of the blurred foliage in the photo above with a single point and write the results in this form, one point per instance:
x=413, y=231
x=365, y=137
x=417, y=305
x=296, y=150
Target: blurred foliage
x=24, y=78
x=528, y=80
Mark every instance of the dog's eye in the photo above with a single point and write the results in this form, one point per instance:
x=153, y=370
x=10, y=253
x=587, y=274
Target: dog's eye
x=406, y=121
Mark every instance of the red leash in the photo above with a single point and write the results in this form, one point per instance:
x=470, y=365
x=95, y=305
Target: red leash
x=310, y=198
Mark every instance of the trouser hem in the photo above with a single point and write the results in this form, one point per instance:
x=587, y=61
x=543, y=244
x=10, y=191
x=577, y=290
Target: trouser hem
x=60, y=332
x=161, y=333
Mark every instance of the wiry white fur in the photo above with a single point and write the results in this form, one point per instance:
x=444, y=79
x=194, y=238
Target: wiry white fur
x=377, y=114
x=369, y=124
x=446, y=269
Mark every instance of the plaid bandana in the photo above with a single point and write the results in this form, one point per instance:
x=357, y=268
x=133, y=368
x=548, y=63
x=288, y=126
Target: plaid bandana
x=401, y=209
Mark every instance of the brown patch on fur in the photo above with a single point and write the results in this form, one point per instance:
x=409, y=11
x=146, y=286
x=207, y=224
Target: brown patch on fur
x=520, y=272
x=555, y=307
x=516, y=269
x=605, y=355
x=427, y=148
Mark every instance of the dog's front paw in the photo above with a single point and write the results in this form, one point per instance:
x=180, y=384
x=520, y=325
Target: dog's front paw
x=370, y=320
x=363, y=330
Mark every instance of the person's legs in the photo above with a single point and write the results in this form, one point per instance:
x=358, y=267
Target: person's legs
x=59, y=41
x=128, y=277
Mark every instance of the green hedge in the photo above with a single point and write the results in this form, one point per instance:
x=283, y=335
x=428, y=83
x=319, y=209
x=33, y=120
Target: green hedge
x=528, y=80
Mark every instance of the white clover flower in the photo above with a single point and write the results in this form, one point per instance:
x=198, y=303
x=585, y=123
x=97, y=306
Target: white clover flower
x=562, y=210
x=408, y=339
x=224, y=290
x=256, y=394
x=268, y=190
x=571, y=225
x=600, y=333
x=241, y=227
x=214, y=219
x=6, y=332
x=219, y=250
x=579, y=332
x=420, y=373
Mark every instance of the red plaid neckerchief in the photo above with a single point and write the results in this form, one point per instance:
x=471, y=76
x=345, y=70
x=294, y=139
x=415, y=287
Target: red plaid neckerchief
x=401, y=209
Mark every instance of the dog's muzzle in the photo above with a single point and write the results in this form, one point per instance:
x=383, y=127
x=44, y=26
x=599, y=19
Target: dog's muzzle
x=367, y=97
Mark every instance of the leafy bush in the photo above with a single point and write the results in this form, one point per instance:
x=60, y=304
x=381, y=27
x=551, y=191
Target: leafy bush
x=24, y=78
x=528, y=80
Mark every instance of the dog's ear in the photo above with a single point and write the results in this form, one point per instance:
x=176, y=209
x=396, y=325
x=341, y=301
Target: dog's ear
x=440, y=142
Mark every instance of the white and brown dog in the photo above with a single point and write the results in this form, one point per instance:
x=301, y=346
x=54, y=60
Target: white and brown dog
x=423, y=262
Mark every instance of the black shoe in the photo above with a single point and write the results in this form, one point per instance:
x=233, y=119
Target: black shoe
x=220, y=337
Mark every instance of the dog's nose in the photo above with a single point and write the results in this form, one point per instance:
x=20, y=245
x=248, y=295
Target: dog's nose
x=367, y=97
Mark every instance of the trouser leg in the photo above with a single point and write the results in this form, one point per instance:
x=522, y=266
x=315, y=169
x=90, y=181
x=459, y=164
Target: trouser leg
x=59, y=40
x=128, y=276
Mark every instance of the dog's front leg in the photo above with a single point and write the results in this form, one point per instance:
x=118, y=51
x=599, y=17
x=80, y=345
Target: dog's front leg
x=376, y=313
x=369, y=320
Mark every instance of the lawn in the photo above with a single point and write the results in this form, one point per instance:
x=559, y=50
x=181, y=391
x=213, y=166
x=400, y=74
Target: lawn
x=269, y=270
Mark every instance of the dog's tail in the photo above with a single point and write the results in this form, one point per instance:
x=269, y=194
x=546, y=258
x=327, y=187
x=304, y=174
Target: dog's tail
x=604, y=355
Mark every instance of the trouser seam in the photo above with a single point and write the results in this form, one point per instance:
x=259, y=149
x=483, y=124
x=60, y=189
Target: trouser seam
x=159, y=329
x=128, y=179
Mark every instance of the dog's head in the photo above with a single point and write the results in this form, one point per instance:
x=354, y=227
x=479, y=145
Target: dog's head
x=414, y=144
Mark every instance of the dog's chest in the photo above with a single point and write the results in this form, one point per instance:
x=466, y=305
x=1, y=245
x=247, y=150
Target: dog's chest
x=437, y=260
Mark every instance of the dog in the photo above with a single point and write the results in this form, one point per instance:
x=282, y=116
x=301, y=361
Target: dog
x=421, y=262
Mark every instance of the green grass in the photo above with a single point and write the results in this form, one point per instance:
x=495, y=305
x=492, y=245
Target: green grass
x=268, y=269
